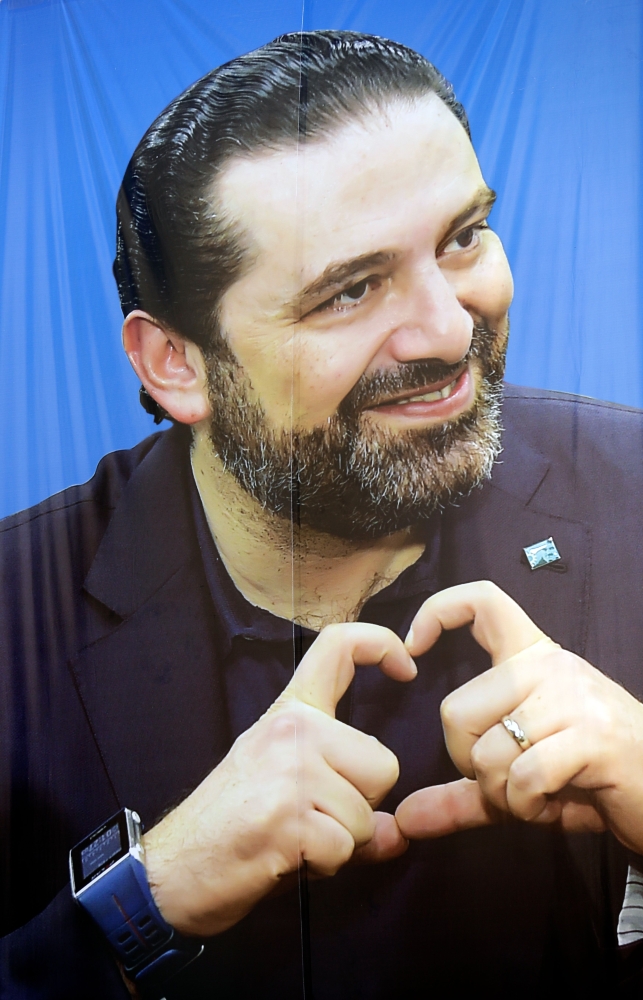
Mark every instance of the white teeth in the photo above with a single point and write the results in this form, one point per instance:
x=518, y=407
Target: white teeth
x=429, y=397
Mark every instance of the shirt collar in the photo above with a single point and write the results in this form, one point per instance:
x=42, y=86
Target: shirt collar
x=238, y=618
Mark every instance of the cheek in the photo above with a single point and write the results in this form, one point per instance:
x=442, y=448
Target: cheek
x=301, y=379
x=326, y=372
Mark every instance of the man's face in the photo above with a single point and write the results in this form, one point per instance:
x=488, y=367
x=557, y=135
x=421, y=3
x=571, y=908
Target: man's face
x=366, y=340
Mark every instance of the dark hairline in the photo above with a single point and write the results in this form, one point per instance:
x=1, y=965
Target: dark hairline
x=179, y=271
x=241, y=234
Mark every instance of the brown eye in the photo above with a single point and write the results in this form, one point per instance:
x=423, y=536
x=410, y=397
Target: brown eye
x=357, y=291
x=465, y=238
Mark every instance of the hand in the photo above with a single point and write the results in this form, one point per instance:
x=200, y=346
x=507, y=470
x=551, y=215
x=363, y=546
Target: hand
x=297, y=786
x=584, y=768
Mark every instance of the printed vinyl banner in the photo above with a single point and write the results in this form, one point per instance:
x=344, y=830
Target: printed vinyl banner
x=326, y=682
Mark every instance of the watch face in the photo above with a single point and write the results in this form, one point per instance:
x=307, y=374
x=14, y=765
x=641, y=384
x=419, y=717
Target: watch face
x=101, y=849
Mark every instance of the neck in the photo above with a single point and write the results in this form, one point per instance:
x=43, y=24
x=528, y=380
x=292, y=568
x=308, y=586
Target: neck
x=293, y=571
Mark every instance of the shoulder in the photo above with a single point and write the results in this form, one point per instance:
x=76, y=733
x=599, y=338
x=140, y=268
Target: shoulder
x=529, y=402
x=574, y=430
x=590, y=496
x=555, y=419
x=56, y=540
x=593, y=450
x=103, y=490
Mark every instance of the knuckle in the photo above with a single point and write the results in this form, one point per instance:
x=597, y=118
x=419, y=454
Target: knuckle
x=364, y=826
x=333, y=630
x=346, y=633
x=280, y=863
x=336, y=634
x=369, y=825
x=284, y=724
x=578, y=671
x=523, y=811
x=571, y=664
x=337, y=851
x=343, y=851
x=449, y=711
x=390, y=767
x=522, y=778
x=479, y=759
x=489, y=588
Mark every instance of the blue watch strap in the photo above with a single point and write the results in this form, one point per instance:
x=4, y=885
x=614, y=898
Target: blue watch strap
x=117, y=895
x=121, y=904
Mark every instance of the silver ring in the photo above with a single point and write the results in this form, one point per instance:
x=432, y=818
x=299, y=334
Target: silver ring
x=518, y=734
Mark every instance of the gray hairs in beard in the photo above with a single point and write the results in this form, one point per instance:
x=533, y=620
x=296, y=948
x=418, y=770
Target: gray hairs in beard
x=350, y=478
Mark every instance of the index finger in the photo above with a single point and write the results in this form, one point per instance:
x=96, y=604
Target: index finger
x=497, y=622
x=328, y=667
x=518, y=649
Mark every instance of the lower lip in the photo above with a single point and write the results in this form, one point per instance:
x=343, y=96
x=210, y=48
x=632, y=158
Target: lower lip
x=460, y=400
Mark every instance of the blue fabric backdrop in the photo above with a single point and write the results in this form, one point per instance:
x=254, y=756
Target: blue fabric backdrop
x=553, y=88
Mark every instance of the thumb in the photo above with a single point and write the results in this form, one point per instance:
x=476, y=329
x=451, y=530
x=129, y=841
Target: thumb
x=328, y=667
x=443, y=809
x=386, y=843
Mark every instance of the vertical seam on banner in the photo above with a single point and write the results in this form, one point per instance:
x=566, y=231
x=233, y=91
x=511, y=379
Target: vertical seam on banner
x=295, y=505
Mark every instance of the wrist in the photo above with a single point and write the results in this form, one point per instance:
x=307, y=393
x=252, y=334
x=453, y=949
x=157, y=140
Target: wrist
x=202, y=890
x=109, y=880
x=170, y=881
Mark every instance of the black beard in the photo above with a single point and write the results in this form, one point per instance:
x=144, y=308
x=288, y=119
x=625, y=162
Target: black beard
x=351, y=478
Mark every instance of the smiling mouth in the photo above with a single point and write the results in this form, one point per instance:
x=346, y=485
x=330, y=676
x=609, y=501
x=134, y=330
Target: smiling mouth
x=427, y=397
x=443, y=390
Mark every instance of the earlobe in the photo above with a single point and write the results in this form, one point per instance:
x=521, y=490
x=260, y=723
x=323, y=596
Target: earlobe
x=170, y=367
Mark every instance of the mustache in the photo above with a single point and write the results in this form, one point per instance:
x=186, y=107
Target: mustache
x=370, y=390
x=373, y=389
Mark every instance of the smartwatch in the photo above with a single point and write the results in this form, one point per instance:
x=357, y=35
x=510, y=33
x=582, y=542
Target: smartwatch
x=109, y=880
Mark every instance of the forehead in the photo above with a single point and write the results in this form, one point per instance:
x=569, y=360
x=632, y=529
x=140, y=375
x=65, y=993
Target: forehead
x=378, y=180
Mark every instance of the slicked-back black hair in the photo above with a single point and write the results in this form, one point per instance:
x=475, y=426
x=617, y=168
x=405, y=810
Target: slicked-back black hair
x=175, y=252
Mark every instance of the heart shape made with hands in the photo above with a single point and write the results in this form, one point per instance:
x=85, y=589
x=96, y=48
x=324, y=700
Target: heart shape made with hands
x=505, y=631
x=300, y=786
x=581, y=727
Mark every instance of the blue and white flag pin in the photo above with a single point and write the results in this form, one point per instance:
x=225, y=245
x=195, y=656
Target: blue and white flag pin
x=542, y=553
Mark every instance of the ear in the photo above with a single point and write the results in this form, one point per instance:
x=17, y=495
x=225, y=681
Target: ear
x=170, y=367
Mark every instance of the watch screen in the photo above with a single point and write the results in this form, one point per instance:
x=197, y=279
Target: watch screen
x=100, y=851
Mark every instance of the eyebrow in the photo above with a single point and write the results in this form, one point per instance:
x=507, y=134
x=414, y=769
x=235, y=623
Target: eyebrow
x=338, y=275
x=483, y=198
x=335, y=277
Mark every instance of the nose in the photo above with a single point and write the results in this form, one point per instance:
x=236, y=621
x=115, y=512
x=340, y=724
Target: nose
x=427, y=320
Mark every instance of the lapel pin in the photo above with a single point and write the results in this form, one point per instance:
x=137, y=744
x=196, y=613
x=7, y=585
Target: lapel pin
x=542, y=553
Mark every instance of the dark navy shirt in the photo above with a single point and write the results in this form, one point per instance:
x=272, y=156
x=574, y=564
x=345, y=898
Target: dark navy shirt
x=128, y=673
x=131, y=663
x=259, y=651
x=390, y=930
